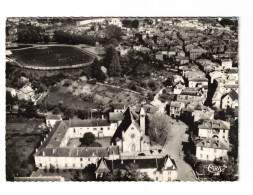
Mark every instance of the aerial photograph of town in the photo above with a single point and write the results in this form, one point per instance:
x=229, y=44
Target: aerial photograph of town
x=121, y=99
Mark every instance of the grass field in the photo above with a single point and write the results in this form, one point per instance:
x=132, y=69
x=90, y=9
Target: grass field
x=50, y=56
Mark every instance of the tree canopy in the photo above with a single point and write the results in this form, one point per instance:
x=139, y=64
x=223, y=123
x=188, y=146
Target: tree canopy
x=88, y=138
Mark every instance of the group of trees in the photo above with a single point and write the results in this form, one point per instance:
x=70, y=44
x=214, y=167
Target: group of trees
x=31, y=34
x=129, y=173
x=130, y=23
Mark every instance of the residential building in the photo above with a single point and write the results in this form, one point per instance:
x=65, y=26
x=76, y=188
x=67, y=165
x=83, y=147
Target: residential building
x=230, y=100
x=158, y=169
x=175, y=108
x=214, y=128
x=210, y=149
x=25, y=93
x=226, y=63
x=11, y=91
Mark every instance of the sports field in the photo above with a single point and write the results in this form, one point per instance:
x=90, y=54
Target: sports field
x=51, y=56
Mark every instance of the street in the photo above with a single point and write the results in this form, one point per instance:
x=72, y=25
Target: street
x=173, y=147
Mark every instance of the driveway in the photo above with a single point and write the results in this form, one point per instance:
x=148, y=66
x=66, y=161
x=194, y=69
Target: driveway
x=173, y=147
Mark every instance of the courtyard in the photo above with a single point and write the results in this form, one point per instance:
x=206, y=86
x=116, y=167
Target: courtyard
x=99, y=142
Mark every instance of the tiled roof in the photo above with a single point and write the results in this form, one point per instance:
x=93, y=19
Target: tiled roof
x=53, y=117
x=214, y=124
x=115, y=116
x=88, y=123
x=129, y=118
x=213, y=143
x=233, y=94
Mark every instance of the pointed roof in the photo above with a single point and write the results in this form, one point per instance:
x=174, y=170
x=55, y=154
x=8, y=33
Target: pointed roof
x=129, y=117
x=102, y=166
x=142, y=112
x=233, y=94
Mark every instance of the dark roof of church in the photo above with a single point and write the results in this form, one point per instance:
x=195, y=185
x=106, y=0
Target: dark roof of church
x=129, y=117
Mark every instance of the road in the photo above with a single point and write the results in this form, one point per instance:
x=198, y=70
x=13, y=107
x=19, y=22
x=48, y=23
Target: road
x=173, y=147
x=157, y=103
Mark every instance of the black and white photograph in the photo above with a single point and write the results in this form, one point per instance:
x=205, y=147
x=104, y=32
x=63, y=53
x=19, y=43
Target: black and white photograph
x=122, y=99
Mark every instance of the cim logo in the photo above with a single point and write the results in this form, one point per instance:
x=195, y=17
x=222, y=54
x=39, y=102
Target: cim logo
x=214, y=169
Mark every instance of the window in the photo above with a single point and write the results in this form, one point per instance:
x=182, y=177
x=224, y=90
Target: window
x=207, y=157
x=156, y=178
x=201, y=148
x=132, y=128
x=74, y=165
x=101, y=128
x=81, y=165
x=169, y=172
x=154, y=172
x=56, y=165
x=88, y=159
x=223, y=137
x=108, y=128
x=224, y=131
x=169, y=178
x=66, y=165
x=40, y=165
x=94, y=129
x=215, y=150
x=200, y=155
x=74, y=130
x=81, y=159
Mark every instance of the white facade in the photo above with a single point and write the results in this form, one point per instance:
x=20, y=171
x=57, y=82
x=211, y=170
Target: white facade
x=203, y=153
x=228, y=102
x=226, y=64
x=222, y=133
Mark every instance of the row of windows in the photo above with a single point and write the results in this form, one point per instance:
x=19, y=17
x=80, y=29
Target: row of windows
x=94, y=129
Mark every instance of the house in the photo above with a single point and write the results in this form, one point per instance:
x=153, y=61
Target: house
x=175, y=108
x=230, y=100
x=214, y=128
x=197, y=52
x=11, y=91
x=226, y=63
x=204, y=113
x=210, y=149
x=158, y=169
x=51, y=119
x=25, y=93
x=198, y=82
x=118, y=108
x=159, y=56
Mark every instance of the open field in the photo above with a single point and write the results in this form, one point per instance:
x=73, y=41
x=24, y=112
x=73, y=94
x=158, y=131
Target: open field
x=24, y=126
x=51, y=56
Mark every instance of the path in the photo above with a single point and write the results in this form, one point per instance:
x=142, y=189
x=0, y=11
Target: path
x=173, y=147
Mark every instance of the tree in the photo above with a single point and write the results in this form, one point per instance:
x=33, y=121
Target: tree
x=56, y=111
x=115, y=67
x=96, y=71
x=114, y=32
x=88, y=138
x=30, y=110
x=135, y=24
x=158, y=128
x=68, y=114
x=128, y=173
x=109, y=51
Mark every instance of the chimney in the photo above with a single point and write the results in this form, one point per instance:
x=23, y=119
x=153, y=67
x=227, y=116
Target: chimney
x=122, y=162
x=43, y=153
x=93, y=154
x=41, y=142
x=103, y=117
x=46, y=135
x=53, y=150
x=36, y=149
